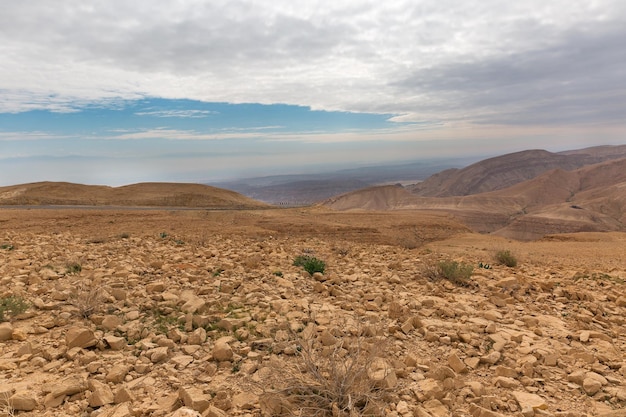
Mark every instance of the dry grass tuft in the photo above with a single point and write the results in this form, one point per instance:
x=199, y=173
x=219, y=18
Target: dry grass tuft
x=329, y=380
x=87, y=297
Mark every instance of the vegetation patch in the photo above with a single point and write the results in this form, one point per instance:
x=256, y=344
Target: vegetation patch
x=310, y=264
x=458, y=273
x=12, y=306
x=325, y=381
x=505, y=257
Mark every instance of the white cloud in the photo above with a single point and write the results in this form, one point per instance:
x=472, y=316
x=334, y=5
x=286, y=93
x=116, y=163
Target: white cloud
x=185, y=114
x=440, y=60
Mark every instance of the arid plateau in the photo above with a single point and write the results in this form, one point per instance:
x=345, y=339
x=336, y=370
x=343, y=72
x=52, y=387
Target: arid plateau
x=154, y=312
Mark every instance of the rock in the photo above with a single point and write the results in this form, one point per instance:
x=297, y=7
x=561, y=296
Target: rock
x=436, y=408
x=382, y=374
x=591, y=385
x=478, y=411
x=194, y=398
x=69, y=386
x=101, y=394
x=214, y=412
x=117, y=373
x=81, y=337
x=222, y=351
x=185, y=412
x=23, y=401
x=111, y=322
x=6, y=331
x=456, y=364
x=492, y=358
x=115, y=342
x=159, y=354
x=529, y=400
x=245, y=400
x=197, y=337
x=122, y=395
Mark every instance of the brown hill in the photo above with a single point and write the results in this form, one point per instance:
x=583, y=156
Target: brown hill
x=591, y=198
x=143, y=194
x=504, y=171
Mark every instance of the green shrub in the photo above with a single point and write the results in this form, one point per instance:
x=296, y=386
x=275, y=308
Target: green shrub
x=456, y=272
x=12, y=306
x=310, y=264
x=505, y=257
x=73, y=268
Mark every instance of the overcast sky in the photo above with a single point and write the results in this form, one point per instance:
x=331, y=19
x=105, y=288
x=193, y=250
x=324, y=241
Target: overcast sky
x=120, y=91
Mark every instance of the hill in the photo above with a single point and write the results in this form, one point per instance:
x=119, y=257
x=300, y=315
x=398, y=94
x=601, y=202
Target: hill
x=141, y=195
x=504, y=171
x=591, y=198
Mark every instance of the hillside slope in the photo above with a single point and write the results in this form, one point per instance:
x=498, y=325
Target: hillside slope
x=143, y=194
x=504, y=171
x=591, y=198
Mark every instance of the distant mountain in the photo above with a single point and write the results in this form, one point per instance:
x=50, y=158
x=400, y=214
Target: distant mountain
x=304, y=189
x=143, y=194
x=507, y=170
x=589, y=198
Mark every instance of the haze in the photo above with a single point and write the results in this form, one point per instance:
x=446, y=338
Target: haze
x=121, y=92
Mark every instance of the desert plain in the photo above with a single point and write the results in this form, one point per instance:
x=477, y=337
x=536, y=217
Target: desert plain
x=173, y=312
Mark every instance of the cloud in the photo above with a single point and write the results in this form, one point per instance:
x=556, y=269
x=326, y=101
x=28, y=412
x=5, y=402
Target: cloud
x=443, y=61
x=185, y=114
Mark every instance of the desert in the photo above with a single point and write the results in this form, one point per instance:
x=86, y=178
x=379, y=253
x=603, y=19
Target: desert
x=119, y=312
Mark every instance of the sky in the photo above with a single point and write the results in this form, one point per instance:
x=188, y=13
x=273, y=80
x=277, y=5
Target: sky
x=119, y=92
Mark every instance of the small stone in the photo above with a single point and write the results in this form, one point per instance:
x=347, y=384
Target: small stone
x=591, y=385
x=492, y=358
x=456, y=364
x=194, y=398
x=185, y=412
x=23, y=401
x=117, y=373
x=123, y=395
x=222, y=351
x=115, y=342
x=81, y=337
x=6, y=331
x=584, y=336
x=527, y=399
x=101, y=394
x=402, y=408
x=111, y=322
x=159, y=354
x=382, y=374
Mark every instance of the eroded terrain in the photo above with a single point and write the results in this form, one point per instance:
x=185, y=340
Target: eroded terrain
x=182, y=313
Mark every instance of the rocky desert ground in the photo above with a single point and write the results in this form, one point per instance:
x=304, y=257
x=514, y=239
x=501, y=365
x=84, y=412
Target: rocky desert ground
x=119, y=313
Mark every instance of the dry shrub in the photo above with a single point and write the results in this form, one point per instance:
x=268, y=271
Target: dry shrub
x=326, y=381
x=87, y=297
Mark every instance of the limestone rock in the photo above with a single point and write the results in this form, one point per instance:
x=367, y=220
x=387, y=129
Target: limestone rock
x=115, y=342
x=101, y=394
x=117, y=373
x=456, y=364
x=222, y=351
x=69, y=386
x=382, y=374
x=194, y=398
x=23, y=401
x=185, y=412
x=6, y=331
x=81, y=337
x=591, y=385
x=529, y=400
